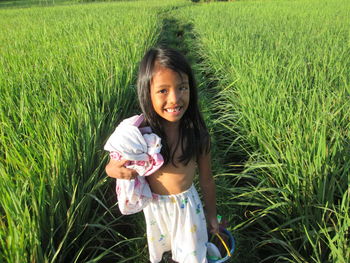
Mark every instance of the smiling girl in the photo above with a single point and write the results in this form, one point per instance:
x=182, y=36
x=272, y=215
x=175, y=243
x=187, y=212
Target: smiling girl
x=175, y=218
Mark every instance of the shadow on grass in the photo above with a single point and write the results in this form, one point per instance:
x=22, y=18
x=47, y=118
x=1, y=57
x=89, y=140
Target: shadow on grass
x=180, y=35
x=31, y=3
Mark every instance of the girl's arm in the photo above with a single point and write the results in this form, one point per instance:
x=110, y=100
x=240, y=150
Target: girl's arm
x=207, y=185
x=116, y=169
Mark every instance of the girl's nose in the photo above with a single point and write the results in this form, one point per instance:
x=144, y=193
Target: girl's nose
x=174, y=96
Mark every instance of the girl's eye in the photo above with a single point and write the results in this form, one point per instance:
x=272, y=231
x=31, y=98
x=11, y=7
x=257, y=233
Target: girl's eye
x=184, y=88
x=162, y=91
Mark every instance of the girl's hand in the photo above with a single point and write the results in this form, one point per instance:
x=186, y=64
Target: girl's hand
x=213, y=225
x=116, y=169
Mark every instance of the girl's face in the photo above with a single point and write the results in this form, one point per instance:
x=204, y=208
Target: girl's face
x=170, y=93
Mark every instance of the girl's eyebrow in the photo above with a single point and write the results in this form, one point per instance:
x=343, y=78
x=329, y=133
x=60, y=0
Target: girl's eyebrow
x=167, y=86
x=163, y=86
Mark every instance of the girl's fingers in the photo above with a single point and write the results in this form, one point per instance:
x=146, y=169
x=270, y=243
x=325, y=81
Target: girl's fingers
x=117, y=169
x=115, y=163
x=215, y=230
x=121, y=163
x=128, y=173
x=214, y=225
x=133, y=173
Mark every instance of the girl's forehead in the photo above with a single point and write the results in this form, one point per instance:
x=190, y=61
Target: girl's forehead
x=162, y=73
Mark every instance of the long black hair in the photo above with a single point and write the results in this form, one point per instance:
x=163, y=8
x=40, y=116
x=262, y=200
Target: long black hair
x=193, y=134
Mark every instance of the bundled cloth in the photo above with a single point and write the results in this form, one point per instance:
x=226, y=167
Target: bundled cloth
x=141, y=148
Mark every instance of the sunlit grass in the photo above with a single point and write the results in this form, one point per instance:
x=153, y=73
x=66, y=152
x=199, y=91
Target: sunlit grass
x=66, y=78
x=283, y=104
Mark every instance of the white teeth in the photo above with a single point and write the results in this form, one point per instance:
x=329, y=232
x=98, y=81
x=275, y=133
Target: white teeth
x=173, y=110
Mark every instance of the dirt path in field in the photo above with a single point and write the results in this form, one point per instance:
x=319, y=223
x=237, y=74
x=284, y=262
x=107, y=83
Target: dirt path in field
x=180, y=35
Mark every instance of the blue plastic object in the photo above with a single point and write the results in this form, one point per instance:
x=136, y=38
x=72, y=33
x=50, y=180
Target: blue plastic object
x=231, y=245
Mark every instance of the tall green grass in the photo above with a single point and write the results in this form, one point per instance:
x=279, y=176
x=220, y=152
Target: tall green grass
x=283, y=105
x=66, y=78
x=46, y=3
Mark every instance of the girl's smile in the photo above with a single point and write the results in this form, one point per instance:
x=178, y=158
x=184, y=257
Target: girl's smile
x=170, y=94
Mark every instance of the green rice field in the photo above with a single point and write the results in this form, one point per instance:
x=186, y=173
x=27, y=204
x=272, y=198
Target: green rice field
x=274, y=84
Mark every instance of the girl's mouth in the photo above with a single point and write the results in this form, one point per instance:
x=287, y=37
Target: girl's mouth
x=173, y=110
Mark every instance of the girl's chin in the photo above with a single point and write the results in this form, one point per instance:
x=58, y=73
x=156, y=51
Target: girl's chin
x=172, y=118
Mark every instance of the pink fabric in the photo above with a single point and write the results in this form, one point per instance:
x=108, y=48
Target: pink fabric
x=155, y=161
x=134, y=195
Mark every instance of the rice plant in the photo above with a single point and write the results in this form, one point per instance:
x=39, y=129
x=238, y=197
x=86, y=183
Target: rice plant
x=283, y=104
x=66, y=78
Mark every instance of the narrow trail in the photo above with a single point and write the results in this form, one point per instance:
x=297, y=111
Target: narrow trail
x=179, y=34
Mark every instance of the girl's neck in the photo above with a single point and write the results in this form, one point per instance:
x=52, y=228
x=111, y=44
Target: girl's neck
x=171, y=129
